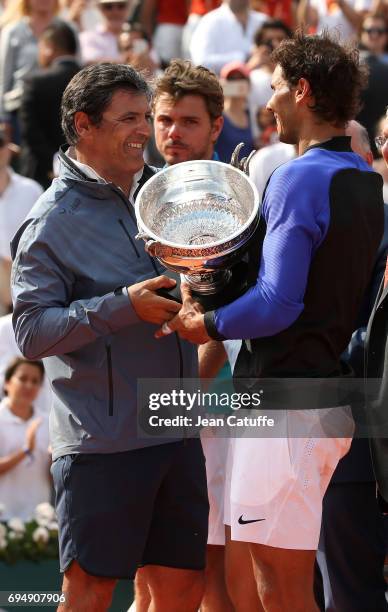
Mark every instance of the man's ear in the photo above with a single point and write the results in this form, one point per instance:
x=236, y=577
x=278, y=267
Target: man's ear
x=82, y=124
x=217, y=125
x=302, y=91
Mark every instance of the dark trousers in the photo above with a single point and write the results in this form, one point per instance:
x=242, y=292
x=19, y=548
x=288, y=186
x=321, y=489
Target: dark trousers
x=352, y=549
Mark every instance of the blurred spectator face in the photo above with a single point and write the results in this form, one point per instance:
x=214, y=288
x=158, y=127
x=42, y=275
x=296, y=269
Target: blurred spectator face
x=46, y=53
x=24, y=385
x=42, y=6
x=374, y=34
x=135, y=50
x=238, y=5
x=184, y=130
x=236, y=86
x=272, y=37
x=115, y=13
x=133, y=42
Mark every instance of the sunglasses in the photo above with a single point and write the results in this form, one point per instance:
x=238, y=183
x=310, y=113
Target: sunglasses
x=380, y=141
x=110, y=6
x=379, y=31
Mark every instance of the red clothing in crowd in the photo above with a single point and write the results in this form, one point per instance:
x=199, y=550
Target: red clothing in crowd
x=277, y=9
x=172, y=11
x=201, y=7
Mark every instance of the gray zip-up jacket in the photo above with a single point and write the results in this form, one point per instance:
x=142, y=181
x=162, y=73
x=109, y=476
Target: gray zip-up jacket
x=77, y=247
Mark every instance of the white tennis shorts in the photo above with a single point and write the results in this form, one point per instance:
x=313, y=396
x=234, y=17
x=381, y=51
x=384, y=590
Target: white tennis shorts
x=274, y=486
x=216, y=452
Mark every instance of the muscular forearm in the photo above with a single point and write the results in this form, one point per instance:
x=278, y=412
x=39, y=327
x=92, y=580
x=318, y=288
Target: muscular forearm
x=212, y=357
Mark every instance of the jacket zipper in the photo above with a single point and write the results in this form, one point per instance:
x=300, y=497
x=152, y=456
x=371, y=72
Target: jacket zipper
x=110, y=378
x=128, y=235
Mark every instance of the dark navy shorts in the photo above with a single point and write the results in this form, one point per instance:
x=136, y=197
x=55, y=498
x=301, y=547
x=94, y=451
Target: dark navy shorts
x=117, y=512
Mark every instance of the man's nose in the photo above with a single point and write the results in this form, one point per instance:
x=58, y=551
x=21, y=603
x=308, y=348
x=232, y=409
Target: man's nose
x=173, y=131
x=144, y=128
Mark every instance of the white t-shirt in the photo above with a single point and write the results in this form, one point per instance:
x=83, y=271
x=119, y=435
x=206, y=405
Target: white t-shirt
x=15, y=203
x=9, y=350
x=220, y=38
x=27, y=484
x=333, y=18
x=259, y=94
x=98, y=45
x=266, y=160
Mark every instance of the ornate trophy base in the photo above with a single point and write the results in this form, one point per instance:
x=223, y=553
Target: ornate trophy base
x=235, y=286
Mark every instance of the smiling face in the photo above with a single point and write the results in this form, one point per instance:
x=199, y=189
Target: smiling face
x=184, y=130
x=115, y=146
x=282, y=104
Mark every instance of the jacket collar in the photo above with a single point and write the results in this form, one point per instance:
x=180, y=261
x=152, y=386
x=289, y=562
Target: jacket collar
x=69, y=170
x=337, y=143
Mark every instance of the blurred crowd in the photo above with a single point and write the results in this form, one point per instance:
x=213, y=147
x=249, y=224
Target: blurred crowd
x=44, y=43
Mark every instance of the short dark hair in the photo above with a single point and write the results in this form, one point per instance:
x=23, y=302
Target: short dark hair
x=16, y=363
x=270, y=24
x=181, y=78
x=62, y=36
x=91, y=91
x=333, y=71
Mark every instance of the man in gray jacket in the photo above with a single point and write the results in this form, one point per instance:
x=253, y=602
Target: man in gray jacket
x=80, y=304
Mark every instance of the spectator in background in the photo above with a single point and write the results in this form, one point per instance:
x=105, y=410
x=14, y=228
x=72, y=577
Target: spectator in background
x=9, y=351
x=225, y=35
x=374, y=37
x=39, y=115
x=24, y=456
x=375, y=95
x=83, y=13
x=267, y=38
x=135, y=48
x=197, y=9
x=266, y=160
x=342, y=16
x=163, y=20
x=101, y=44
x=285, y=10
x=23, y=21
x=237, y=125
x=17, y=196
x=266, y=123
x=379, y=163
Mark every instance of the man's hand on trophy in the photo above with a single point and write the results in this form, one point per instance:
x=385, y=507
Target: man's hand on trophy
x=148, y=305
x=189, y=322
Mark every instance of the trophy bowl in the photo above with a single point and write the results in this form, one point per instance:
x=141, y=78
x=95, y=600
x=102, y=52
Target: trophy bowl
x=197, y=218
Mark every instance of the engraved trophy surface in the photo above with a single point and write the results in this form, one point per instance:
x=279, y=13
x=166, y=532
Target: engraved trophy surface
x=197, y=218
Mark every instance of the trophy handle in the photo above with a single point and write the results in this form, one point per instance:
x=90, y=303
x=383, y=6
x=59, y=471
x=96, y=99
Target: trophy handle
x=241, y=164
x=153, y=247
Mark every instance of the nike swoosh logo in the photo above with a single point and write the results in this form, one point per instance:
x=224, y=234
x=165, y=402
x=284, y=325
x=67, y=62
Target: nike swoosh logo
x=242, y=522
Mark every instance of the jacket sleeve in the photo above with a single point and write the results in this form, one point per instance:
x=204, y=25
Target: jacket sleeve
x=45, y=319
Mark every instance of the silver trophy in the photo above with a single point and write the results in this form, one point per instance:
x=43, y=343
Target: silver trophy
x=197, y=218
